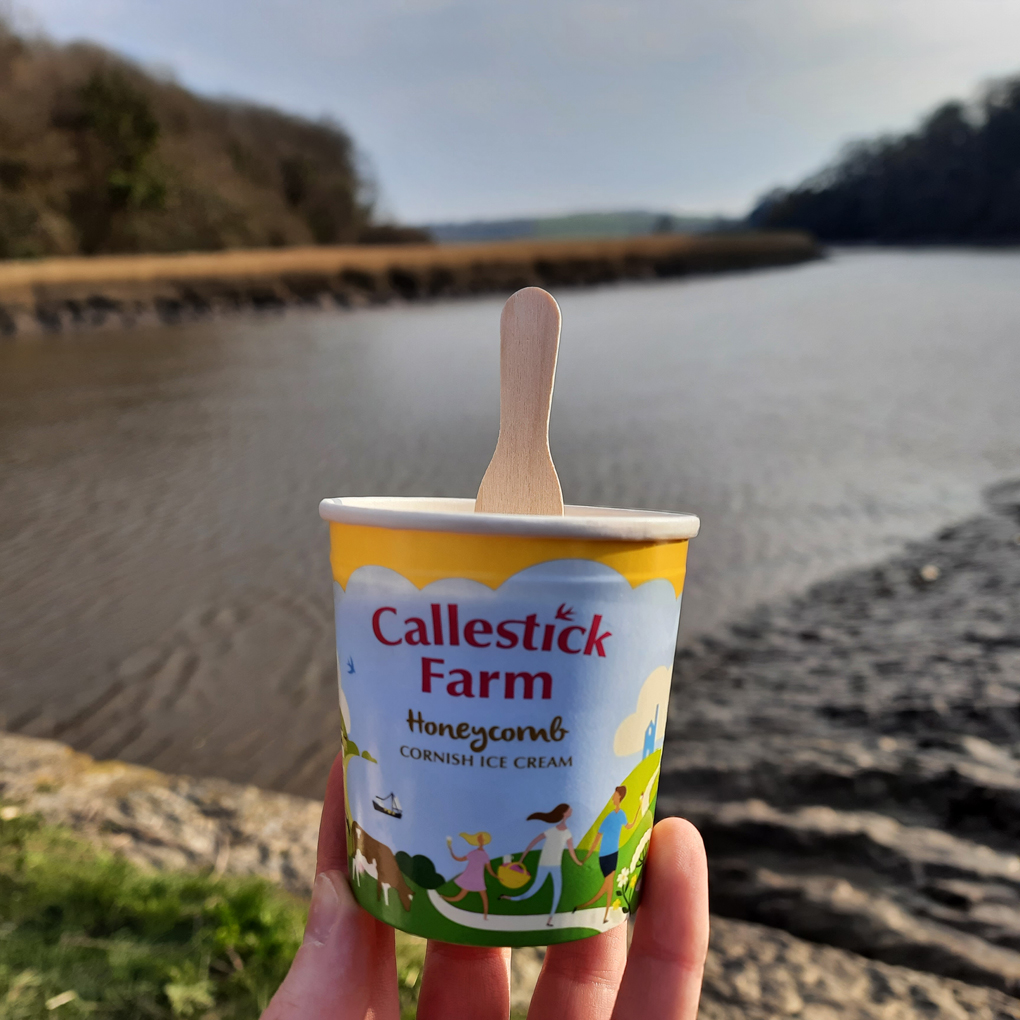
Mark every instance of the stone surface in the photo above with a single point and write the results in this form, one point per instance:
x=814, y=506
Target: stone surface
x=164, y=821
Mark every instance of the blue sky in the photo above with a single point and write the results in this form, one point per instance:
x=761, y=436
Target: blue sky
x=480, y=108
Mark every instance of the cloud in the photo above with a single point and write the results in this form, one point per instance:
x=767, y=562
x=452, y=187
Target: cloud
x=630, y=734
x=466, y=109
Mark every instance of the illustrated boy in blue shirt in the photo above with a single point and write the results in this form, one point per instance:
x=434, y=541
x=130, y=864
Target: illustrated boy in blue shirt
x=607, y=842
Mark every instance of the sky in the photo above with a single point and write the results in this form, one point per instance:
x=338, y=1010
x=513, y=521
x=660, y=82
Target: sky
x=470, y=109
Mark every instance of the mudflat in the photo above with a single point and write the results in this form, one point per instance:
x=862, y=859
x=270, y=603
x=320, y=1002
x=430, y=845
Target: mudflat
x=850, y=756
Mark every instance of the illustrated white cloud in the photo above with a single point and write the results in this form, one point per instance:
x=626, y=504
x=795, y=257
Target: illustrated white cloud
x=630, y=734
x=537, y=579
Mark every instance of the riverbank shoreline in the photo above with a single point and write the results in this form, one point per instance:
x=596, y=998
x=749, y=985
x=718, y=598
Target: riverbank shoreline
x=53, y=294
x=179, y=823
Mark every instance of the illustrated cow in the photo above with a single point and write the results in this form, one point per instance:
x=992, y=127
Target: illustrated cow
x=376, y=859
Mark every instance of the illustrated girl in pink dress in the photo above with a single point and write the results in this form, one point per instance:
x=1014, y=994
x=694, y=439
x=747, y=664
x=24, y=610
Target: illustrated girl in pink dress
x=472, y=878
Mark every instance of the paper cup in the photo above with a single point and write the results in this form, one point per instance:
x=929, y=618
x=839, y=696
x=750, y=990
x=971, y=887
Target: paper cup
x=504, y=682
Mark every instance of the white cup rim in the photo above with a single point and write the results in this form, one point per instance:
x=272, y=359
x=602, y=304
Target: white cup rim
x=433, y=513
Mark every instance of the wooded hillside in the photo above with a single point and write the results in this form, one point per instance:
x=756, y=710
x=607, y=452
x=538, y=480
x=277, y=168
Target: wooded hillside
x=955, y=179
x=97, y=155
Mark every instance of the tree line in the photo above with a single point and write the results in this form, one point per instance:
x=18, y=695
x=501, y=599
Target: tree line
x=956, y=178
x=99, y=156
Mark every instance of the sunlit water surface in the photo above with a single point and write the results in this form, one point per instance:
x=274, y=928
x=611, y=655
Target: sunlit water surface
x=165, y=587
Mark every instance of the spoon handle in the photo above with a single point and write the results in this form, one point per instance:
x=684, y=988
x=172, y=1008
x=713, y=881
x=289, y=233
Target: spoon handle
x=521, y=477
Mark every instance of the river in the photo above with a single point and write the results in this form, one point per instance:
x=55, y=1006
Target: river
x=165, y=587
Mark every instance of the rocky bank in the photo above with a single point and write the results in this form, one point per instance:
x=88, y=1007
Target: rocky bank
x=850, y=757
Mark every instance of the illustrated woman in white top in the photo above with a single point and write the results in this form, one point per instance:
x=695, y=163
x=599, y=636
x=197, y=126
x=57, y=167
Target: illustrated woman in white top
x=557, y=839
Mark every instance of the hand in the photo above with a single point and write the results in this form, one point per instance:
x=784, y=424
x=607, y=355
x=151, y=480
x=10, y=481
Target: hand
x=346, y=967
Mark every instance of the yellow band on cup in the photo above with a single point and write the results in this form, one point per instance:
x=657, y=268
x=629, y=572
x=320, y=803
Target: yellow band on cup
x=426, y=556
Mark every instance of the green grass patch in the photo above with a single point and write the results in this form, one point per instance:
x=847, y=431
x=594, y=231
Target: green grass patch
x=85, y=933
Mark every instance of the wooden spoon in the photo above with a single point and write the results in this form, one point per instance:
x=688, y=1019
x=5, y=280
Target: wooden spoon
x=521, y=477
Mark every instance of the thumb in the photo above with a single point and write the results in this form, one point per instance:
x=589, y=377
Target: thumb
x=331, y=976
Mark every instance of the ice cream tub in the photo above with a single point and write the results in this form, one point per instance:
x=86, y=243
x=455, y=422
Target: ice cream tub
x=504, y=681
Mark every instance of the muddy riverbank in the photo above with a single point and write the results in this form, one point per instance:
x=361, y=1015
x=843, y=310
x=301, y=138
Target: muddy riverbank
x=57, y=293
x=851, y=757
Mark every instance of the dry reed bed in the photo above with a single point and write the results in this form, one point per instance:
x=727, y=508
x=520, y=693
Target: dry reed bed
x=56, y=292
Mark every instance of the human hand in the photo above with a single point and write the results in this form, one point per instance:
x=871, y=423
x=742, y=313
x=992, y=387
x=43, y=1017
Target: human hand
x=346, y=966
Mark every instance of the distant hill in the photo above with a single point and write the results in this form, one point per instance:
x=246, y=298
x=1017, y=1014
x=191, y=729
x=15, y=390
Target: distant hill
x=97, y=155
x=578, y=225
x=954, y=179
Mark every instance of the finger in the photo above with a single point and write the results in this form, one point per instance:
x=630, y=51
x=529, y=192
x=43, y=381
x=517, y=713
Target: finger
x=346, y=965
x=466, y=982
x=332, y=849
x=580, y=979
x=331, y=855
x=667, y=953
x=344, y=968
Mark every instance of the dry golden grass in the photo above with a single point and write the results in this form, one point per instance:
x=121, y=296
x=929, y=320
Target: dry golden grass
x=329, y=261
x=54, y=293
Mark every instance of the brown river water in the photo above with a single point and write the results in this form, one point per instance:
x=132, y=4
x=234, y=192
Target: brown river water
x=165, y=590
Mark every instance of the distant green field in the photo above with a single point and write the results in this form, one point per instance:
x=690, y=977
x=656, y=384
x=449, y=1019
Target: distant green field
x=632, y=223
x=620, y=224
x=84, y=933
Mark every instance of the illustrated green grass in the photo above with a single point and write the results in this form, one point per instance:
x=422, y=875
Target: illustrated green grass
x=579, y=884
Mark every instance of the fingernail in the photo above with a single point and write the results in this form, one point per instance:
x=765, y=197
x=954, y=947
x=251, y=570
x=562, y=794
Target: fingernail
x=324, y=910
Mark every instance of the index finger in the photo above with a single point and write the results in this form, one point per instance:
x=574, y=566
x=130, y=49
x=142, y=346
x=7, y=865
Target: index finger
x=667, y=954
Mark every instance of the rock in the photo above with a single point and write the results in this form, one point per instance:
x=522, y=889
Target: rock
x=164, y=821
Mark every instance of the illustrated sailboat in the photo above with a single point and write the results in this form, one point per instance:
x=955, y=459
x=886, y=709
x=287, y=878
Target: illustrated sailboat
x=388, y=805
